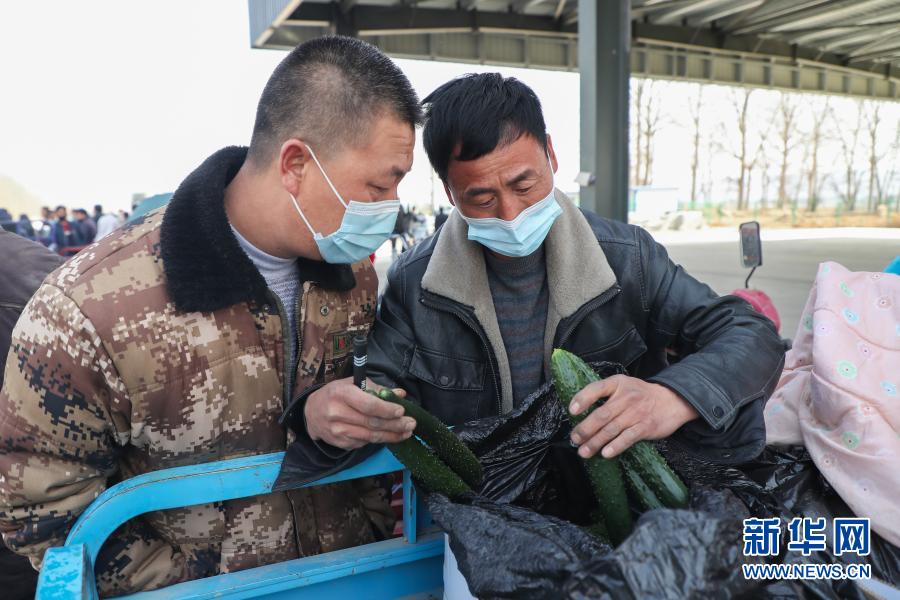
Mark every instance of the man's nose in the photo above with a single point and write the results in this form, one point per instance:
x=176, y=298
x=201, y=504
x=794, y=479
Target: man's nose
x=511, y=207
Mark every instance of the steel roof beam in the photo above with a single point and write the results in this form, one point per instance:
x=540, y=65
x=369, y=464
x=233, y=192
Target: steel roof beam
x=829, y=13
x=673, y=15
x=725, y=11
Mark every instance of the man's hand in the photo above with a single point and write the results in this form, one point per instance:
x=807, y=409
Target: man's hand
x=635, y=411
x=341, y=414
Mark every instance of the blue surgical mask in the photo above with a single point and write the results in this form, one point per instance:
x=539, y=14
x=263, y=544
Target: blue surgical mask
x=521, y=236
x=364, y=227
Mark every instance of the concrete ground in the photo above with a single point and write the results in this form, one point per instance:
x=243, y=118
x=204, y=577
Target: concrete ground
x=790, y=261
x=789, y=267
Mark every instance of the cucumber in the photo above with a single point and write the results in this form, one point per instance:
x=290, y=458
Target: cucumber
x=427, y=469
x=570, y=376
x=640, y=491
x=653, y=470
x=642, y=462
x=441, y=440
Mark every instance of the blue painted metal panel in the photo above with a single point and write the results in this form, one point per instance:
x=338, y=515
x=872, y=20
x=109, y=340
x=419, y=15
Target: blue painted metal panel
x=66, y=573
x=387, y=569
x=392, y=568
x=197, y=484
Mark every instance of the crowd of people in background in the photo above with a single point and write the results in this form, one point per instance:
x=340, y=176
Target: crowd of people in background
x=412, y=227
x=66, y=236
x=60, y=233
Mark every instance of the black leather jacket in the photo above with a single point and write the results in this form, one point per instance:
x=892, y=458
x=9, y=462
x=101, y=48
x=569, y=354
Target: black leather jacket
x=729, y=357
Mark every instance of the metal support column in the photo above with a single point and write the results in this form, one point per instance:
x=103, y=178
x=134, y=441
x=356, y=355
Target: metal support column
x=604, y=32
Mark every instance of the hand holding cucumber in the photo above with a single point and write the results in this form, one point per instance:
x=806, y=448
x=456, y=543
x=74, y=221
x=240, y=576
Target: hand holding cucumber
x=635, y=410
x=345, y=416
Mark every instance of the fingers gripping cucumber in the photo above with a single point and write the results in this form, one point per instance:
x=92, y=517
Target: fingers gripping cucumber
x=438, y=466
x=570, y=376
x=646, y=471
x=440, y=439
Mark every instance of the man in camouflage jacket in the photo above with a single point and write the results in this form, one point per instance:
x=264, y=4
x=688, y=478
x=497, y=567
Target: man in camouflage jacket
x=162, y=344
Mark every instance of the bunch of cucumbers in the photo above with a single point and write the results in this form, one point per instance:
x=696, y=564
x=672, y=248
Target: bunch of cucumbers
x=436, y=458
x=440, y=462
x=640, y=469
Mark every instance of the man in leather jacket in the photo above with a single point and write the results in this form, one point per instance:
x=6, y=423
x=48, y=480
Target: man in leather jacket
x=471, y=315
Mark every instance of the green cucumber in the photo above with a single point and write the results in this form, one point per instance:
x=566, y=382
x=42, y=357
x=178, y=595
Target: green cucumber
x=642, y=462
x=647, y=462
x=570, y=376
x=639, y=489
x=445, y=444
x=427, y=469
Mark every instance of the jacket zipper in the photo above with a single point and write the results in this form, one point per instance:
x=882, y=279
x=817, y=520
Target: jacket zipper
x=288, y=378
x=450, y=308
x=285, y=332
x=576, y=319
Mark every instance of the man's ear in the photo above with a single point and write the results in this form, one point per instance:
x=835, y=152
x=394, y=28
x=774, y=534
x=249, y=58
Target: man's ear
x=293, y=164
x=553, y=162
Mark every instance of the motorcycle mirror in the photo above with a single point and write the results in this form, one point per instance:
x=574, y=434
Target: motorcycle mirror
x=751, y=245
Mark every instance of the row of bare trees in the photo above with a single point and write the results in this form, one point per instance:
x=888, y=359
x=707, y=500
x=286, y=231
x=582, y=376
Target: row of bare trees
x=782, y=144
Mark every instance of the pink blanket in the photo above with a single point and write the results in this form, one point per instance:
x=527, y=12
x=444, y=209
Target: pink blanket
x=838, y=395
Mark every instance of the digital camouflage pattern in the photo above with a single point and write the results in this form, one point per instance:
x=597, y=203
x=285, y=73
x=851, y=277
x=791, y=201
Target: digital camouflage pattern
x=106, y=380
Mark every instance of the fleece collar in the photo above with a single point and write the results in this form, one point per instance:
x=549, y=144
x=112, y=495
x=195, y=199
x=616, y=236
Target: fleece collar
x=577, y=272
x=205, y=267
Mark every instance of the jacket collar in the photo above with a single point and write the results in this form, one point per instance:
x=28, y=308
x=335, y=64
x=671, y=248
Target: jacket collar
x=205, y=268
x=577, y=272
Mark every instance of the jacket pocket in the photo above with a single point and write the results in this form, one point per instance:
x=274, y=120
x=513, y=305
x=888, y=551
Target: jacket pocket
x=447, y=372
x=626, y=349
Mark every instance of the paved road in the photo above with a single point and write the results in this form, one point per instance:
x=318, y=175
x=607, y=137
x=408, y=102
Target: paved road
x=789, y=267
x=788, y=270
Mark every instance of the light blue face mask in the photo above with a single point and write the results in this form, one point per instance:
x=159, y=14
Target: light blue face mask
x=521, y=236
x=365, y=226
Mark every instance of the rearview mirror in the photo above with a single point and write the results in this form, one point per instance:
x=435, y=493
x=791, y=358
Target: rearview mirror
x=751, y=246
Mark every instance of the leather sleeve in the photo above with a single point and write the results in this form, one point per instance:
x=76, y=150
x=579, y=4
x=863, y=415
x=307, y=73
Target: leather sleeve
x=731, y=356
x=392, y=341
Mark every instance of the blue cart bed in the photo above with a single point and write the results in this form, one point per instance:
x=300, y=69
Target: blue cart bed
x=406, y=567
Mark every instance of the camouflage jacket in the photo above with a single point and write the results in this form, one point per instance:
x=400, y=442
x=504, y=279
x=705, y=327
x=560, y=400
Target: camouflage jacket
x=161, y=346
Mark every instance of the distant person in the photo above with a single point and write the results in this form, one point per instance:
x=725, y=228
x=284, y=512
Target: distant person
x=24, y=228
x=19, y=279
x=440, y=218
x=98, y=212
x=417, y=229
x=400, y=226
x=85, y=227
x=106, y=223
x=44, y=235
x=6, y=221
x=62, y=234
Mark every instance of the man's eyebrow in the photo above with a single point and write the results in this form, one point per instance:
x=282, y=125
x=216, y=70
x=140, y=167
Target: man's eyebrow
x=526, y=174
x=477, y=191
x=398, y=172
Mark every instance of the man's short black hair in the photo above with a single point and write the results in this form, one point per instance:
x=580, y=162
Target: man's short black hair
x=471, y=115
x=328, y=91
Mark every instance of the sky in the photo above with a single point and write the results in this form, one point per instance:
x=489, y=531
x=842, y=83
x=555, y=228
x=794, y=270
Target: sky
x=102, y=99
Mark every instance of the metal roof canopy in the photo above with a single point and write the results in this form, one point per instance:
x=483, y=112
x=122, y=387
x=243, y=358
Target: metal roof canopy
x=849, y=47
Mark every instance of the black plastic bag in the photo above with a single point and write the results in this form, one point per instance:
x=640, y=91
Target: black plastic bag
x=522, y=536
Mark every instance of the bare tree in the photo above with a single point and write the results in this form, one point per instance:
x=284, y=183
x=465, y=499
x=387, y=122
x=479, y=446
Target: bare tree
x=649, y=119
x=637, y=128
x=812, y=144
x=742, y=152
x=787, y=129
x=848, y=133
x=696, y=110
x=873, y=121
